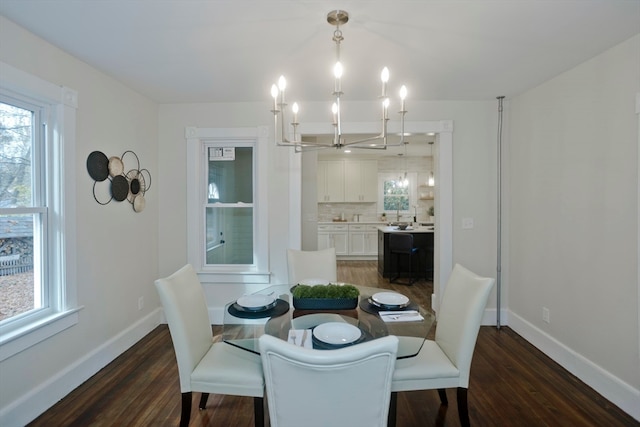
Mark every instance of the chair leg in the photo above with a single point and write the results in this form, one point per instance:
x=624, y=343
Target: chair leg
x=258, y=411
x=463, y=408
x=443, y=396
x=393, y=408
x=186, y=409
x=203, y=401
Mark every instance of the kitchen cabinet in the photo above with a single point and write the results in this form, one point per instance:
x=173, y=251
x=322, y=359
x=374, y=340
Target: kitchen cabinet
x=330, y=181
x=361, y=181
x=363, y=239
x=334, y=236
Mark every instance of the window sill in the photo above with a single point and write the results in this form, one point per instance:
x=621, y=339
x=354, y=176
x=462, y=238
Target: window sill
x=20, y=339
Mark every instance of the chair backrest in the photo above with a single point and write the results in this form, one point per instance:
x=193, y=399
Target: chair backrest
x=185, y=308
x=350, y=386
x=460, y=315
x=401, y=242
x=312, y=265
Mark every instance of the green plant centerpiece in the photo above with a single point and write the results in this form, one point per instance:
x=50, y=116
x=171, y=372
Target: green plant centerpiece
x=325, y=297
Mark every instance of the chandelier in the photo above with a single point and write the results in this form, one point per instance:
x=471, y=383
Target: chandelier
x=282, y=130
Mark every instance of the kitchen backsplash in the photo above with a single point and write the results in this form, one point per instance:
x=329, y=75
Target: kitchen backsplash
x=367, y=211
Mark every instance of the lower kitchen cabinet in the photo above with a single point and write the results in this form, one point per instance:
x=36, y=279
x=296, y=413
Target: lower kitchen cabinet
x=363, y=240
x=334, y=236
x=359, y=240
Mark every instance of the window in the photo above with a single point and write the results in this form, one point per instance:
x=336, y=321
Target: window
x=229, y=208
x=23, y=216
x=37, y=122
x=227, y=227
x=397, y=193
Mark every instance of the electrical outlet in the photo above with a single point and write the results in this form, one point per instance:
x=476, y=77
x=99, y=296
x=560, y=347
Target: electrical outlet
x=545, y=315
x=140, y=303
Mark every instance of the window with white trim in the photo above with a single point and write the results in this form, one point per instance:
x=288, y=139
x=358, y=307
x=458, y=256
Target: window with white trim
x=37, y=264
x=226, y=204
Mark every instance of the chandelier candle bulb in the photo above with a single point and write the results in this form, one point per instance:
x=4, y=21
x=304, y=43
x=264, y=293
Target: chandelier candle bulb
x=337, y=72
x=384, y=76
x=274, y=94
x=403, y=95
x=295, y=109
x=282, y=84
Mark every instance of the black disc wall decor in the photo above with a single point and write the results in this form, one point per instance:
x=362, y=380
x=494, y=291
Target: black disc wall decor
x=98, y=166
x=119, y=188
x=130, y=185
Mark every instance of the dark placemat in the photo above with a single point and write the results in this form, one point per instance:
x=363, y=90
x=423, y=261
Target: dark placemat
x=279, y=309
x=374, y=309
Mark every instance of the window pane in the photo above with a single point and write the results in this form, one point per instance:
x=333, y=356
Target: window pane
x=230, y=175
x=16, y=136
x=229, y=235
x=17, y=292
x=396, y=196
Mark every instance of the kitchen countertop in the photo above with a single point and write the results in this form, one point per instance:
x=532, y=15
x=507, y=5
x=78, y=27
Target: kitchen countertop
x=349, y=222
x=394, y=229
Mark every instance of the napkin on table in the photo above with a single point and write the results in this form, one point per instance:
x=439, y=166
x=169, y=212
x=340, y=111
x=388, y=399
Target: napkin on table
x=401, y=316
x=300, y=337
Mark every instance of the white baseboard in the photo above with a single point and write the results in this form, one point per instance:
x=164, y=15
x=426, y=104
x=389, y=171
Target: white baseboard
x=608, y=385
x=29, y=406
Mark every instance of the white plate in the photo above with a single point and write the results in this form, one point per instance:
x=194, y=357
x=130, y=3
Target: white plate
x=337, y=333
x=390, y=299
x=255, y=302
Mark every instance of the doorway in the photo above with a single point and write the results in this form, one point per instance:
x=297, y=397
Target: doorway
x=443, y=153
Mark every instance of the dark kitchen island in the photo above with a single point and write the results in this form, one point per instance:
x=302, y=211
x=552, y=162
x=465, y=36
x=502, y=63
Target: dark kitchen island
x=422, y=239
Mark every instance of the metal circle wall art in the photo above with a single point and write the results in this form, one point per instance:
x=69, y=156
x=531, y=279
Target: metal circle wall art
x=118, y=184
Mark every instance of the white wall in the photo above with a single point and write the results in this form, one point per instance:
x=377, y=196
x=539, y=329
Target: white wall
x=573, y=216
x=117, y=249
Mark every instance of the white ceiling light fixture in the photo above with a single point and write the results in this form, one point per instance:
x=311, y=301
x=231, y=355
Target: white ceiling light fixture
x=282, y=130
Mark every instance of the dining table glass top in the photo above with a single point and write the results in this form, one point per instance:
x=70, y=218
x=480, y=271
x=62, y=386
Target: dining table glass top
x=243, y=328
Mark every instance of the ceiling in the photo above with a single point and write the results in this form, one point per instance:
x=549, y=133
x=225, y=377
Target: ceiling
x=176, y=51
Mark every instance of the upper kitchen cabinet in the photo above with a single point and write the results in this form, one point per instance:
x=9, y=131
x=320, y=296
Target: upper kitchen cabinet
x=361, y=180
x=330, y=181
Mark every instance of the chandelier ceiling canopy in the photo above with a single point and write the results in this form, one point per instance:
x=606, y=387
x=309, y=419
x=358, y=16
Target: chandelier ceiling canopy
x=288, y=134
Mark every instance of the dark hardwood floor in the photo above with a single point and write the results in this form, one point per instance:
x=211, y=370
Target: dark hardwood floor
x=512, y=384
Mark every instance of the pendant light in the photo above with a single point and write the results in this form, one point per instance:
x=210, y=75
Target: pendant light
x=432, y=180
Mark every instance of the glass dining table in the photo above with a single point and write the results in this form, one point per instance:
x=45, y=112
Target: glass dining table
x=242, y=328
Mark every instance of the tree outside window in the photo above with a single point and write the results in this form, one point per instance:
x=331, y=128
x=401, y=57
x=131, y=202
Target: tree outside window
x=17, y=291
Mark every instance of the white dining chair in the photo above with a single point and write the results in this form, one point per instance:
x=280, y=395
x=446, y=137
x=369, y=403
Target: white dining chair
x=204, y=365
x=349, y=386
x=305, y=265
x=446, y=362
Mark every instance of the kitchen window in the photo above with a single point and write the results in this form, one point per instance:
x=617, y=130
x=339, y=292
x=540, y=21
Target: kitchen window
x=397, y=193
x=37, y=226
x=226, y=205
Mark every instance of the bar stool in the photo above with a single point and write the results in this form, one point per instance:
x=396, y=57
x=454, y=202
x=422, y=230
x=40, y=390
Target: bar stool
x=401, y=244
